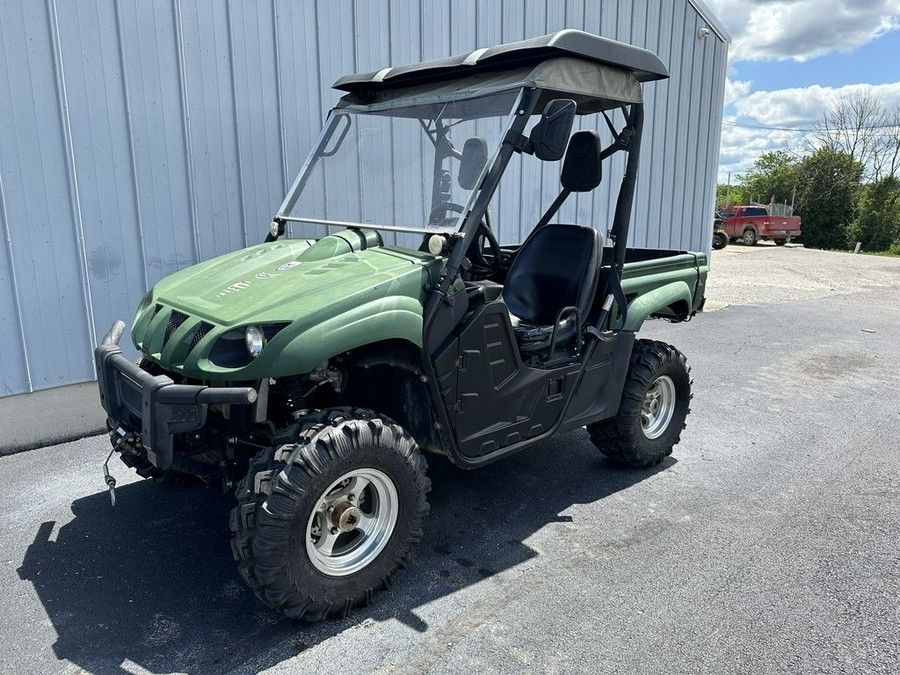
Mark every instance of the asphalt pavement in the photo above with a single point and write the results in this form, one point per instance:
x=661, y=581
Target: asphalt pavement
x=766, y=544
x=50, y=417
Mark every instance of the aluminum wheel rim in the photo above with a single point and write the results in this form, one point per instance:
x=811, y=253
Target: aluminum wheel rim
x=658, y=407
x=352, y=523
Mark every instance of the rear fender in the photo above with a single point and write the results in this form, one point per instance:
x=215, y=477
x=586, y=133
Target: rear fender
x=656, y=301
x=393, y=317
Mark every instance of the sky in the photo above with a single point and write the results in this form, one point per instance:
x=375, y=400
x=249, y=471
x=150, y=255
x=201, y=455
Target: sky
x=790, y=59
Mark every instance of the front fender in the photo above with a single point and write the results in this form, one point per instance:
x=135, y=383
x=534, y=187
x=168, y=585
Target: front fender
x=383, y=319
x=655, y=301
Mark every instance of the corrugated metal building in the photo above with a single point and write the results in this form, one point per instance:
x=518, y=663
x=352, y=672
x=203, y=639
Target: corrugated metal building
x=139, y=137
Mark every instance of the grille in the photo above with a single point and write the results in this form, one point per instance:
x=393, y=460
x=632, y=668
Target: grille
x=200, y=334
x=131, y=394
x=155, y=311
x=175, y=320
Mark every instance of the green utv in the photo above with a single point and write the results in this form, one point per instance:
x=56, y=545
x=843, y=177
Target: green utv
x=311, y=374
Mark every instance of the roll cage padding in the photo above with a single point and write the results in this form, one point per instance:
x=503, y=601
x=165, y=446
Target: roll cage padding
x=582, y=170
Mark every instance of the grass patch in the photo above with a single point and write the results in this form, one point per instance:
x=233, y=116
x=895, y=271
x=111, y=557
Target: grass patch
x=883, y=254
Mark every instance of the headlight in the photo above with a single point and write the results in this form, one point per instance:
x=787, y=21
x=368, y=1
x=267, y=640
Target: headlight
x=239, y=347
x=255, y=340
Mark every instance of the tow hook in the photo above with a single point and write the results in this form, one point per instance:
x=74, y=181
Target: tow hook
x=110, y=481
x=119, y=437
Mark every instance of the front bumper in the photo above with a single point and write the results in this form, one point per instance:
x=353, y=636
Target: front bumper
x=133, y=397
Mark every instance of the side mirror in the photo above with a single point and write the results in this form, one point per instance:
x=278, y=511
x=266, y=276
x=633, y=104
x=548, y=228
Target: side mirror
x=471, y=162
x=551, y=134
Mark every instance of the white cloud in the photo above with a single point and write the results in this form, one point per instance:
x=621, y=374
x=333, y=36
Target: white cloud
x=797, y=108
x=741, y=147
x=803, y=29
x=801, y=107
x=736, y=90
x=799, y=30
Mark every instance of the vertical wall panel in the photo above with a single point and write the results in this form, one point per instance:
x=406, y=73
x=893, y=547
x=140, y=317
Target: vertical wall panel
x=150, y=56
x=303, y=109
x=14, y=366
x=656, y=170
x=140, y=137
x=44, y=240
x=508, y=201
x=405, y=45
x=259, y=137
x=211, y=112
x=102, y=161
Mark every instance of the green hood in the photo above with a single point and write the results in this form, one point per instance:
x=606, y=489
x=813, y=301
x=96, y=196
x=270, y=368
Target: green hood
x=313, y=299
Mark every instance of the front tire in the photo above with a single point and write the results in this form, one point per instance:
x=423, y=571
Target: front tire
x=780, y=241
x=328, y=512
x=719, y=241
x=655, y=403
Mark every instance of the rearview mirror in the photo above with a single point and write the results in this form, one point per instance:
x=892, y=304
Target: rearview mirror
x=551, y=134
x=471, y=162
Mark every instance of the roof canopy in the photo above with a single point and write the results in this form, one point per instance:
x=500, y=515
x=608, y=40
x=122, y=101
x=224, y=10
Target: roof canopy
x=597, y=72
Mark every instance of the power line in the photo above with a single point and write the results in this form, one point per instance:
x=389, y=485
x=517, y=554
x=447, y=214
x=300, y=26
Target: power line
x=805, y=131
x=765, y=128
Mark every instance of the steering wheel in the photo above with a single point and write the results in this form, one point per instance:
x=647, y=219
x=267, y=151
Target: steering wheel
x=484, y=251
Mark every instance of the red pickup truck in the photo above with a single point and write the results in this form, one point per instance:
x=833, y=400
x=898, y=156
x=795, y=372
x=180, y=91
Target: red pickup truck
x=752, y=223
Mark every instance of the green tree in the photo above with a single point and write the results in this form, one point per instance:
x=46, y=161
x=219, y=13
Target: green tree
x=877, y=222
x=829, y=186
x=773, y=176
x=729, y=195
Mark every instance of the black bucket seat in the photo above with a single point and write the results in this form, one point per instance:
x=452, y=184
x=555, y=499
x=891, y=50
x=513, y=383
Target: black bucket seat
x=558, y=266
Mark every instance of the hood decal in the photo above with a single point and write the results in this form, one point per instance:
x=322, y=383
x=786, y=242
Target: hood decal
x=234, y=288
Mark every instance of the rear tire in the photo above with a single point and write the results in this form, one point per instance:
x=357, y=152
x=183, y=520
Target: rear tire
x=780, y=242
x=307, y=541
x=720, y=241
x=749, y=237
x=655, y=403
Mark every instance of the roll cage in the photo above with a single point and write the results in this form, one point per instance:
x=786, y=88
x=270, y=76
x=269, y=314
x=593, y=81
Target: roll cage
x=596, y=74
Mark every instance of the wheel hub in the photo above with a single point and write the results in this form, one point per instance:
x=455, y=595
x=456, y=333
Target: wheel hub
x=346, y=517
x=353, y=522
x=658, y=407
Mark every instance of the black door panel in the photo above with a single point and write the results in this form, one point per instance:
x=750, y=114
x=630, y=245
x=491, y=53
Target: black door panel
x=501, y=401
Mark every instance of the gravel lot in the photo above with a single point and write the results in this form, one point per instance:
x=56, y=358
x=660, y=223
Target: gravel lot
x=765, y=273
x=766, y=544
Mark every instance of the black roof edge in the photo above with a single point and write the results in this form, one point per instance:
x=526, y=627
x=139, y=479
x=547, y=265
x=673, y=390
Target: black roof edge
x=570, y=42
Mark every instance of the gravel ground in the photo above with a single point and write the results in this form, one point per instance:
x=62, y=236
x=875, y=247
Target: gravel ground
x=750, y=275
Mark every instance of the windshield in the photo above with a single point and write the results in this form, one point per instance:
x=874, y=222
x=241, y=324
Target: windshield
x=413, y=168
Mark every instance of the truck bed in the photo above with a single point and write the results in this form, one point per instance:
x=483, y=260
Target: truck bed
x=661, y=272
x=650, y=275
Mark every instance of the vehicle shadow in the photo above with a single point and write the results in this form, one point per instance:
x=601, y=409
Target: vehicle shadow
x=152, y=581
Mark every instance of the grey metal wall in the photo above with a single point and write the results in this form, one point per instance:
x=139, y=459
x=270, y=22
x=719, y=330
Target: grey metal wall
x=139, y=137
